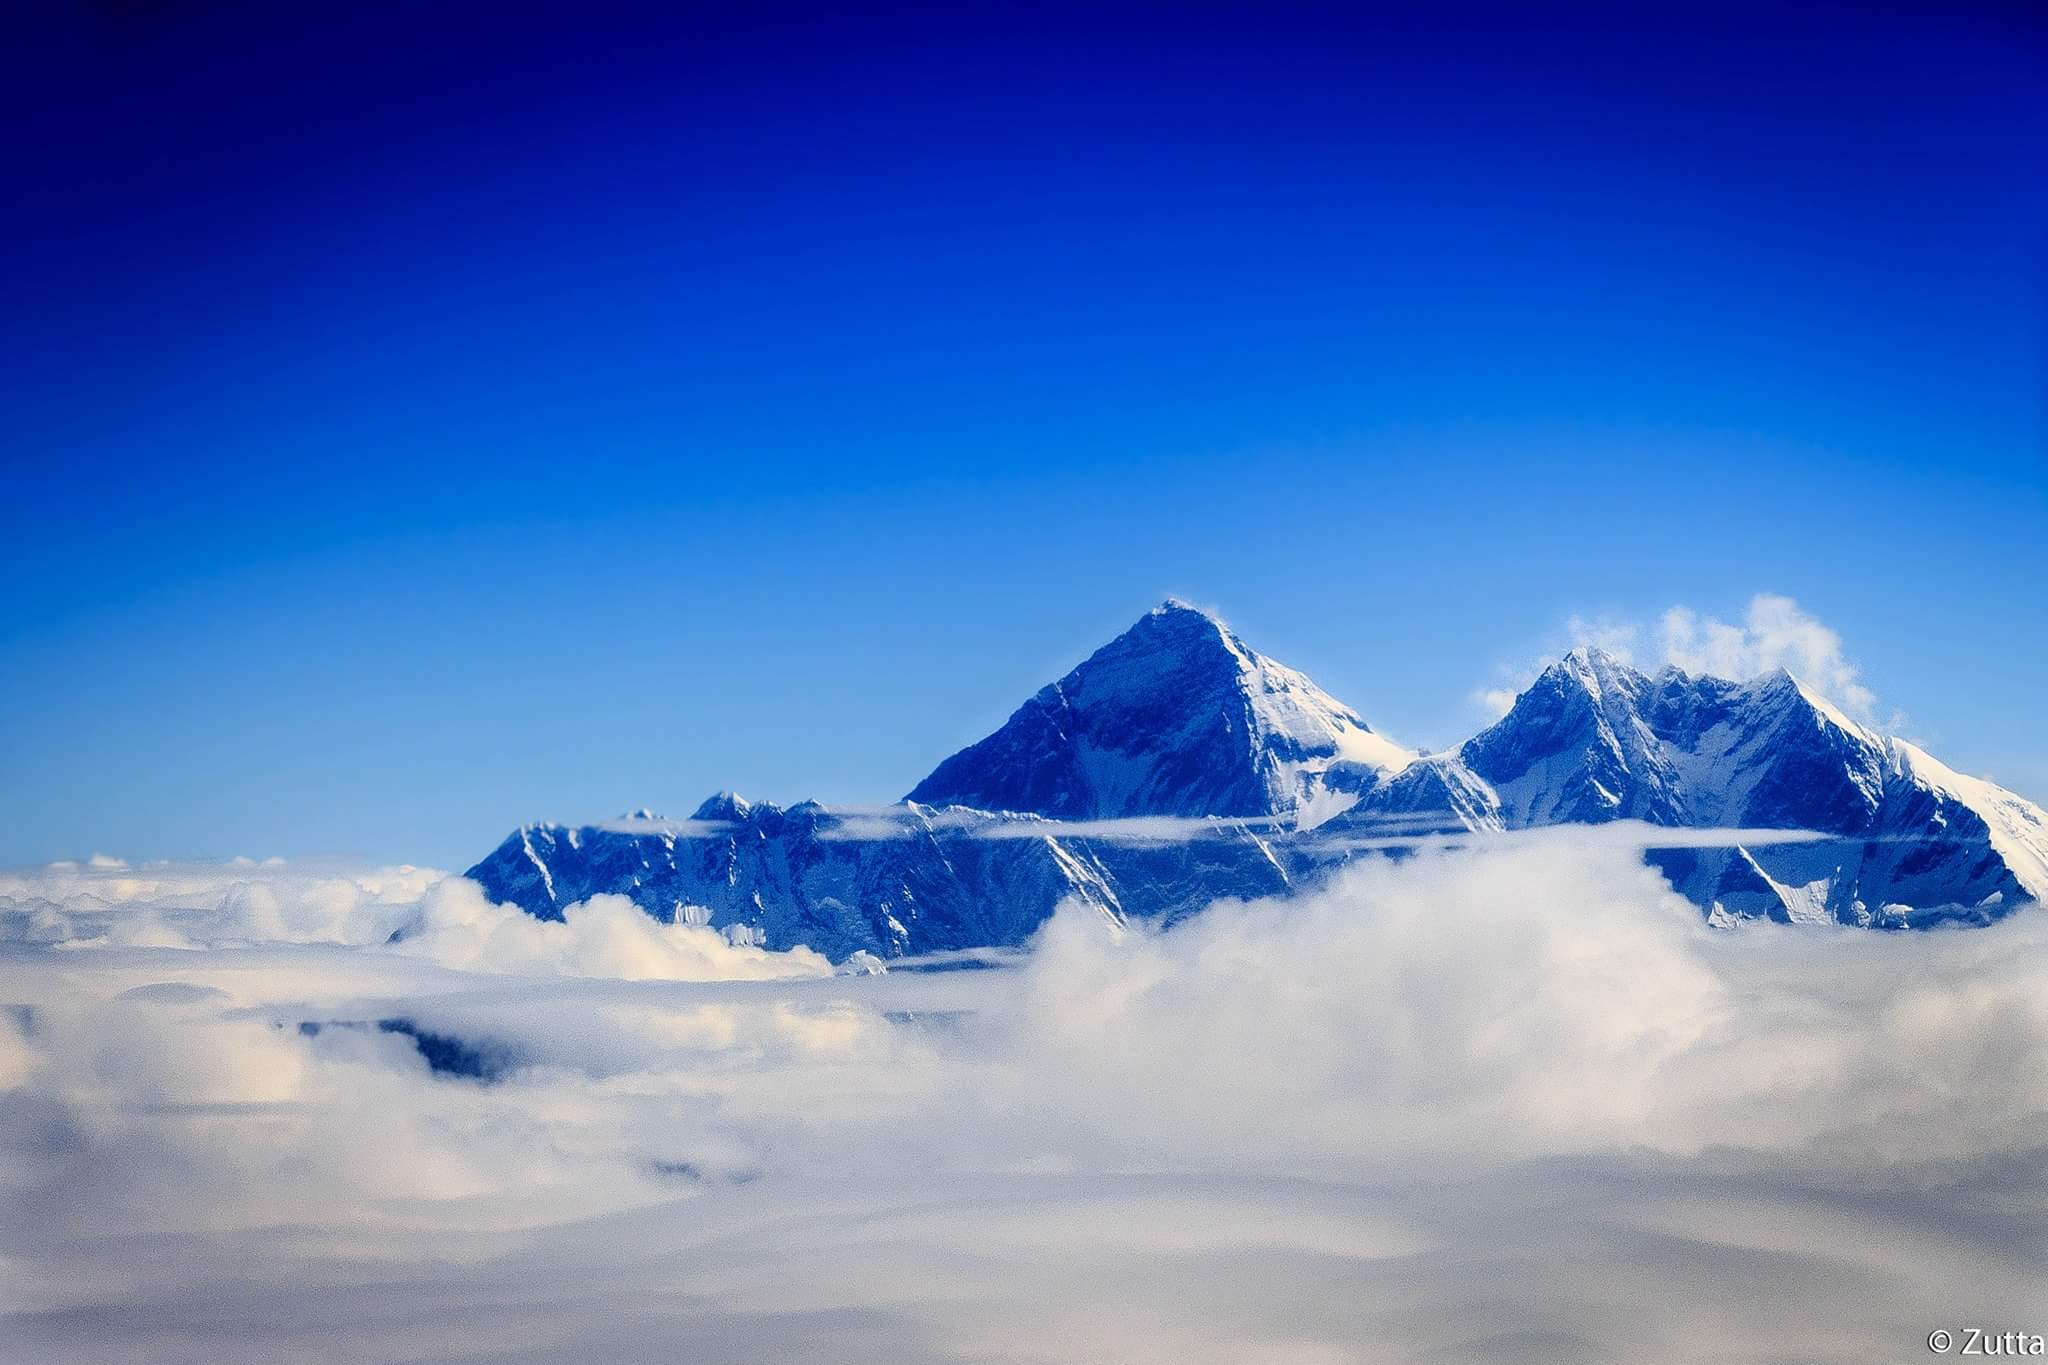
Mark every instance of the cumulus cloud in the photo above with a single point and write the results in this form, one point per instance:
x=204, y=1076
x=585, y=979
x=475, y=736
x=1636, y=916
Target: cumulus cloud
x=193, y=905
x=603, y=936
x=1775, y=632
x=1507, y=1102
x=416, y=912
x=1531, y=999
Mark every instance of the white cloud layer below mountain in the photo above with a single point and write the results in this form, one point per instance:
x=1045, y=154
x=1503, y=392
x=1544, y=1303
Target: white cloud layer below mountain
x=1510, y=1103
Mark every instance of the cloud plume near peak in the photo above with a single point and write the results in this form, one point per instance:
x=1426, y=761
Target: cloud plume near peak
x=1497, y=1103
x=1775, y=632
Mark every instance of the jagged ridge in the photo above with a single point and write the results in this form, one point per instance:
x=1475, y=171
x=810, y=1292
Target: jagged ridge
x=1594, y=740
x=1179, y=718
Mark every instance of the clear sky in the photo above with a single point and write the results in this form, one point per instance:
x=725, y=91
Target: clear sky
x=415, y=426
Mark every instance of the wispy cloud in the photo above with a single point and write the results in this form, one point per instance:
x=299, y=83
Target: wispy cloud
x=897, y=822
x=1635, y=835
x=1774, y=632
x=656, y=824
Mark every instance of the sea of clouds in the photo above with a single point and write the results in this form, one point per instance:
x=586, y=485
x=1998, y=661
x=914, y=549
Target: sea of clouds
x=1513, y=1102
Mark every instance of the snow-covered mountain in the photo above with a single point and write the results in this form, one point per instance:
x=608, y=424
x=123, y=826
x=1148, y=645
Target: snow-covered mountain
x=1176, y=716
x=1176, y=766
x=1908, y=840
x=898, y=880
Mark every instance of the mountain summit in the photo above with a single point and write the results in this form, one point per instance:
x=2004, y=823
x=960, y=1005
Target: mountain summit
x=1176, y=716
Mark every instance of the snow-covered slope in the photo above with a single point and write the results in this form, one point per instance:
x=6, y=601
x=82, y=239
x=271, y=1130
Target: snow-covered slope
x=894, y=881
x=1239, y=777
x=1592, y=740
x=1176, y=716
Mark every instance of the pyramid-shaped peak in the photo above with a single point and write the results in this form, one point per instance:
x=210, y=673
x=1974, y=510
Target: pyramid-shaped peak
x=1172, y=635
x=1600, y=674
x=1176, y=716
x=725, y=805
x=1175, y=625
x=1593, y=660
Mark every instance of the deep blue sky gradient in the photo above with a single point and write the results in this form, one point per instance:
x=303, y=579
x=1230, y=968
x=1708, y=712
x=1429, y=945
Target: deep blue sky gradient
x=419, y=425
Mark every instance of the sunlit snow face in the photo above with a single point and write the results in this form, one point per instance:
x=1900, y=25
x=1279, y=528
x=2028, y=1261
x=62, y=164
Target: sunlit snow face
x=1512, y=1103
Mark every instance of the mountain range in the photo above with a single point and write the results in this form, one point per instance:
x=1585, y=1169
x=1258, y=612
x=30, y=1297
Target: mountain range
x=1176, y=766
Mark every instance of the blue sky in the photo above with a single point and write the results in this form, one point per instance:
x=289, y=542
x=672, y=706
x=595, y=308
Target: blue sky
x=418, y=426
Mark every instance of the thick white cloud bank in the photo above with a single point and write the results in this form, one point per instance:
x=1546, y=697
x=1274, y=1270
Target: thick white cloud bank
x=414, y=911
x=1512, y=1103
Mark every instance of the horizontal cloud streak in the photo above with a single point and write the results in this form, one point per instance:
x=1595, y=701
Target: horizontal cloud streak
x=1638, y=835
x=898, y=822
